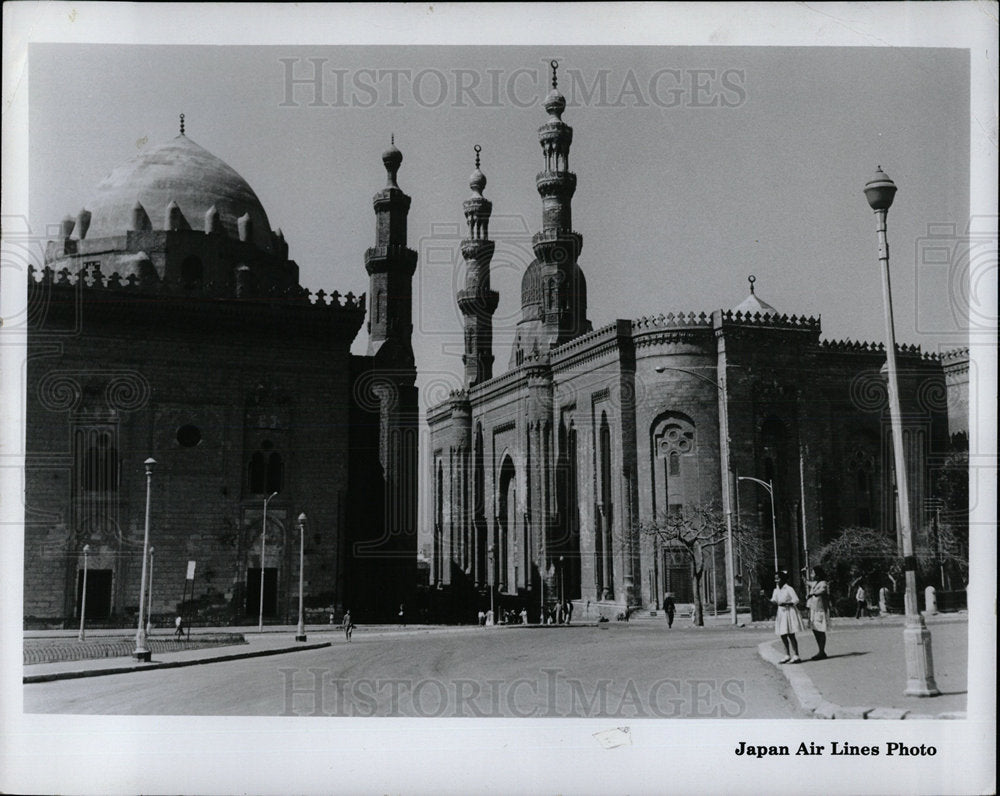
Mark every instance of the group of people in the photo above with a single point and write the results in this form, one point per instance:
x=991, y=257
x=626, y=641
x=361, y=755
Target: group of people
x=788, y=621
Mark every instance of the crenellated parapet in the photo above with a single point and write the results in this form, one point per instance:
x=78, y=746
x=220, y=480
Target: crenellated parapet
x=770, y=320
x=93, y=280
x=864, y=347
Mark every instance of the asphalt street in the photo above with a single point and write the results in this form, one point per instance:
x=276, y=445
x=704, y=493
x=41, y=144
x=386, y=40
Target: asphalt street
x=626, y=671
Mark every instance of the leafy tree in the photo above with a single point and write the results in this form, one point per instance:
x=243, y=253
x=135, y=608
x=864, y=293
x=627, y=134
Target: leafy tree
x=695, y=530
x=860, y=555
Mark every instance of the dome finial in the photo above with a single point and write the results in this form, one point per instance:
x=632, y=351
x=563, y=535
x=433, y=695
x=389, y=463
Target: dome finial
x=182, y=124
x=751, y=279
x=555, y=65
x=478, y=149
x=392, y=139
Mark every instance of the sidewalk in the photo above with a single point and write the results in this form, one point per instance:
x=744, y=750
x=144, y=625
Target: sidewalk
x=274, y=640
x=865, y=675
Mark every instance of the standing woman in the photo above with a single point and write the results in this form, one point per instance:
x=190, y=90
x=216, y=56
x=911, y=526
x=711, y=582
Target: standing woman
x=788, y=622
x=819, y=610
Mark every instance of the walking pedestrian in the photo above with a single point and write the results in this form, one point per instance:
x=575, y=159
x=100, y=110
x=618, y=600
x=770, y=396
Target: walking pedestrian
x=348, y=625
x=669, y=608
x=179, y=625
x=402, y=614
x=569, y=611
x=818, y=603
x=482, y=618
x=787, y=622
x=862, y=600
x=883, y=600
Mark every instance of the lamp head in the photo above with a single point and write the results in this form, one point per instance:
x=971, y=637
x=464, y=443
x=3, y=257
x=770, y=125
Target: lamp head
x=302, y=518
x=880, y=190
x=149, y=463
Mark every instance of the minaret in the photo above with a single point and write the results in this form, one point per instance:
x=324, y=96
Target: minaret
x=564, y=293
x=392, y=548
x=477, y=301
x=390, y=267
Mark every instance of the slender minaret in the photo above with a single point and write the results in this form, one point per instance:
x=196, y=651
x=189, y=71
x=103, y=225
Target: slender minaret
x=557, y=246
x=390, y=265
x=477, y=301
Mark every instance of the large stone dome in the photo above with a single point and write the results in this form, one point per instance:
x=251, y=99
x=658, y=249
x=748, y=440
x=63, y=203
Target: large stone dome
x=182, y=172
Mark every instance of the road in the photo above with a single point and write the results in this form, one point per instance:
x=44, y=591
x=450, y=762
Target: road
x=622, y=671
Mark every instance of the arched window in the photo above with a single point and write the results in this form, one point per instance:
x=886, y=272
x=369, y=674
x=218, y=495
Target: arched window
x=266, y=471
x=97, y=461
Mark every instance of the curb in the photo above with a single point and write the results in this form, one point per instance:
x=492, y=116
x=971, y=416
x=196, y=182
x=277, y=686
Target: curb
x=145, y=667
x=814, y=703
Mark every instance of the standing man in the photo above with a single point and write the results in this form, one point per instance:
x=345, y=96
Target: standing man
x=862, y=602
x=179, y=625
x=348, y=625
x=669, y=608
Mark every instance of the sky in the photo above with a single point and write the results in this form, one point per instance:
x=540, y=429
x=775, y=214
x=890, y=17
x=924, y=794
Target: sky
x=696, y=167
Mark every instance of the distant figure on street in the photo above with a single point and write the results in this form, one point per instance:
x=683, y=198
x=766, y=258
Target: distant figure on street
x=482, y=618
x=787, y=622
x=568, y=611
x=402, y=614
x=489, y=617
x=818, y=602
x=862, y=600
x=179, y=625
x=883, y=600
x=524, y=616
x=348, y=625
x=669, y=608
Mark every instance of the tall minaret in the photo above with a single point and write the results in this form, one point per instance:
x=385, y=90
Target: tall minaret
x=564, y=292
x=390, y=267
x=477, y=301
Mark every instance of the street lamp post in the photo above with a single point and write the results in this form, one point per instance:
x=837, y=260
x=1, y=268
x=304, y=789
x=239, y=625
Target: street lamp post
x=880, y=191
x=491, y=579
x=301, y=636
x=263, y=542
x=83, y=595
x=141, y=652
x=769, y=486
x=724, y=443
x=149, y=603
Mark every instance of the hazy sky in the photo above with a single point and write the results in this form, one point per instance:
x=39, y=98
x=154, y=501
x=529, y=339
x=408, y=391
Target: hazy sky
x=696, y=166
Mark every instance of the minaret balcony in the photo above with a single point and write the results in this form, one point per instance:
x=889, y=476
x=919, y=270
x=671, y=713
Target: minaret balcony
x=482, y=303
x=379, y=259
x=477, y=250
x=556, y=183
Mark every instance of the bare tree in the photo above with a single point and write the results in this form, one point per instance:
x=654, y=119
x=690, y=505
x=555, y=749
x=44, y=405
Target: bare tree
x=696, y=530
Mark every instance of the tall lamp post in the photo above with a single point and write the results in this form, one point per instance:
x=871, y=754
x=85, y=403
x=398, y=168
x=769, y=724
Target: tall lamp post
x=301, y=635
x=263, y=542
x=149, y=603
x=492, y=586
x=141, y=652
x=83, y=595
x=880, y=191
x=724, y=443
x=769, y=486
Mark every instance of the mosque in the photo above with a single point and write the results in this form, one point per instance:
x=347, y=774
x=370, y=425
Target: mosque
x=168, y=324
x=543, y=476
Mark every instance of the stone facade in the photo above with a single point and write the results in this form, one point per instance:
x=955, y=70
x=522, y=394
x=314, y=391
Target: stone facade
x=169, y=322
x=542, y=477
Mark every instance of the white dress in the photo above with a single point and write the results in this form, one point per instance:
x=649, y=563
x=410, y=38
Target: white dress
x=788, y=620
x=819, y=611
